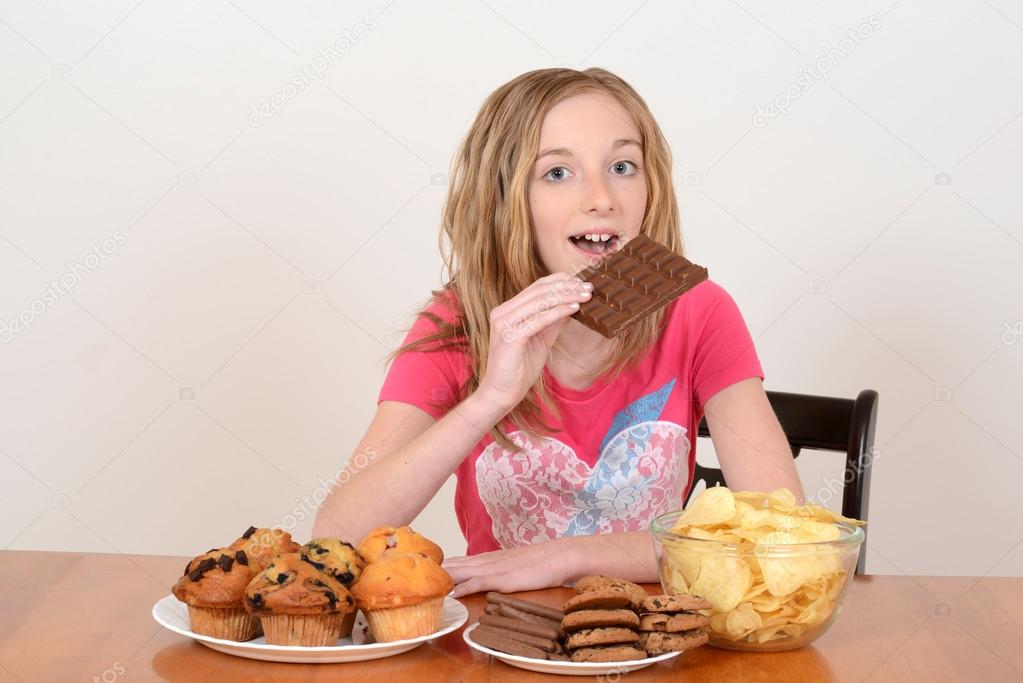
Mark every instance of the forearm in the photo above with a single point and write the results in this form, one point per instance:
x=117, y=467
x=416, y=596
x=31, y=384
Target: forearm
x=628, y=555
x=394, y=489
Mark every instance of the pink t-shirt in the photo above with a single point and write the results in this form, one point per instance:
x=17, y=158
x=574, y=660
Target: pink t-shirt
x=626, y=449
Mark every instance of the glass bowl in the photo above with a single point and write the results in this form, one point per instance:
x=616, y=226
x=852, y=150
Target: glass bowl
x=766, y=597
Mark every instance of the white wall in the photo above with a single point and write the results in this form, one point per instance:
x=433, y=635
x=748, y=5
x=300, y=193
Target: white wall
x=225, y=355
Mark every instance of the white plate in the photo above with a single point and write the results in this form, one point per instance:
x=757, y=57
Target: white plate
x=172, y=614
x=567, y=668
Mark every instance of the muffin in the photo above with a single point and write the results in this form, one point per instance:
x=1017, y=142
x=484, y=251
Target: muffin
x=213, y=587
x=402, y=595
x=388, y=539
x=339, y=559
x=262, y=545
x=298, y=604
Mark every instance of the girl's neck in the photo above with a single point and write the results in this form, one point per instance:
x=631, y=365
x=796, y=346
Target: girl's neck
x=578, y=355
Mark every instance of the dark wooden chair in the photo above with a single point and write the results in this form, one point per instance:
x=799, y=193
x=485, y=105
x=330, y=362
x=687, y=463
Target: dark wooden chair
x=823, y=423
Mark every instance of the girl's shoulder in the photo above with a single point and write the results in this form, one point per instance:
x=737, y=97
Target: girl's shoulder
x=699, y=302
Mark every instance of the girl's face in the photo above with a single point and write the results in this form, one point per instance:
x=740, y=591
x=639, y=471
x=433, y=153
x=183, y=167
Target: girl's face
x=587, y=193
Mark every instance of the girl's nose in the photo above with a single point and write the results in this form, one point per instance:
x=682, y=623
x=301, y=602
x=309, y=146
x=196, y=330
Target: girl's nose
x=597, y=196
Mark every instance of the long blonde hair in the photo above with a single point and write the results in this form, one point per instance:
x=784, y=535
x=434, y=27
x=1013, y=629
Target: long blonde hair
x=490, y=254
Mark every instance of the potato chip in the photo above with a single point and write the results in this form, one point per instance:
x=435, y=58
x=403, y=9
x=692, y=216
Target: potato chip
x=761, y=590
x=713, y=506
x=723, y=581
x=742, y=620
x=688, y=563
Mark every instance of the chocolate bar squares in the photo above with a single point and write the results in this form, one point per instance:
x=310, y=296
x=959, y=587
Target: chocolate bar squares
x=634, y=282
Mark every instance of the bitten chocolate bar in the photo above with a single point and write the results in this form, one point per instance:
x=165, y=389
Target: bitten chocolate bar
x=634, y=282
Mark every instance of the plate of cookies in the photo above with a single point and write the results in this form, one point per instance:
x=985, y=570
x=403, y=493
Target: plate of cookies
x=609, y=626
x=266, y=597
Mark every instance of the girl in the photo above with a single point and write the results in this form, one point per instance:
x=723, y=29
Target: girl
x=565, y=444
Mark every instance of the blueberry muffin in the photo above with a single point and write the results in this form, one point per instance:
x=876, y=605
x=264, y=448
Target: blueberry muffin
x=262, y=545
x=402, y=595
x=213, y=587
x=339, y=559
x=403, y=539
x=298, y=604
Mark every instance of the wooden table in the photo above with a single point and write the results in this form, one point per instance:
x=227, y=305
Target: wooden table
x=72, y=616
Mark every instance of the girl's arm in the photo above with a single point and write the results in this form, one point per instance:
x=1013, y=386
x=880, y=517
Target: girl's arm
x=408, y=456
x=751, y=447
x=626, y=555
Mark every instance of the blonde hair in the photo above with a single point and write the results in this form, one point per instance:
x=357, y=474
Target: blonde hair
x=490, y=256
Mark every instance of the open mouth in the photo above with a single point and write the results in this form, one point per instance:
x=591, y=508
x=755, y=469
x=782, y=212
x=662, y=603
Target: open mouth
x=596, y=243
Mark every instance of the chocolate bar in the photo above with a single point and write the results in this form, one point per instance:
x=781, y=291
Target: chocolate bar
x=635, y=281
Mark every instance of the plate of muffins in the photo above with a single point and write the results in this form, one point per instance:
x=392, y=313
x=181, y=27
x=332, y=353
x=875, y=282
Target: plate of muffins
x=266, y=597
x=610, y=626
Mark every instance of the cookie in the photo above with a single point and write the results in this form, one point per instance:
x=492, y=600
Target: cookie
x=672, y=623
x=598, y=582
x=506, y=645
x=603, y=598
x=674, y=603
x=608, y=653
x=611, y=635
x=657, y=643
x=594, y=618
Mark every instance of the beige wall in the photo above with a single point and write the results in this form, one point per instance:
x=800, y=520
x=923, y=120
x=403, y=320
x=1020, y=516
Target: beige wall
x=219, y=353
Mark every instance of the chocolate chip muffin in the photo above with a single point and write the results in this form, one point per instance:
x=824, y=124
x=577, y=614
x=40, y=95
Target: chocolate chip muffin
x=213, y=587
x=298, y=604
x=403, y=539
x=262, y=545
x=336, y=557
x=402, y=595
x=339, y=559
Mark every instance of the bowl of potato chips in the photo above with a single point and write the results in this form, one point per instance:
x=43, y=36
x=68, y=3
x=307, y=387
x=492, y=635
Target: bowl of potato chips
x=775, y=572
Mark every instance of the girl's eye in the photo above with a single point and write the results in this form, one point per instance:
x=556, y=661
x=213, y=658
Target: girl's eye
x=619, y=164
x=562, y=169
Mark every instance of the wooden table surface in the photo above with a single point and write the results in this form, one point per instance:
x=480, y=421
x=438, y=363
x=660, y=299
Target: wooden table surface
x=80, y=616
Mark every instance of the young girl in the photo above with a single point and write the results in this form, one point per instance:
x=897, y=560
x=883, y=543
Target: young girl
x=565, y=444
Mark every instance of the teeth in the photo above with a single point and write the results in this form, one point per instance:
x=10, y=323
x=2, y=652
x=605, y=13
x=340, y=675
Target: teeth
x=597, y=238
x=605, y=238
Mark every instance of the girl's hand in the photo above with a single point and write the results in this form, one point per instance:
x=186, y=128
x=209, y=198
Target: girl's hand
x=522, y=332
x=527, y=567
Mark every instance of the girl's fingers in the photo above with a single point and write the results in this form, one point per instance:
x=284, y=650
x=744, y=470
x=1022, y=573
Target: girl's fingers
x=539, y=323
x=551, y=290
x=528, y=313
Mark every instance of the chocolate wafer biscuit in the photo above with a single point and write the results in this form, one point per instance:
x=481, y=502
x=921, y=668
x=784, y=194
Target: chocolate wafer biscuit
x=526, y=606
x=545, y=644
x=507, y=645
x=520, y=626
x=512, y=613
